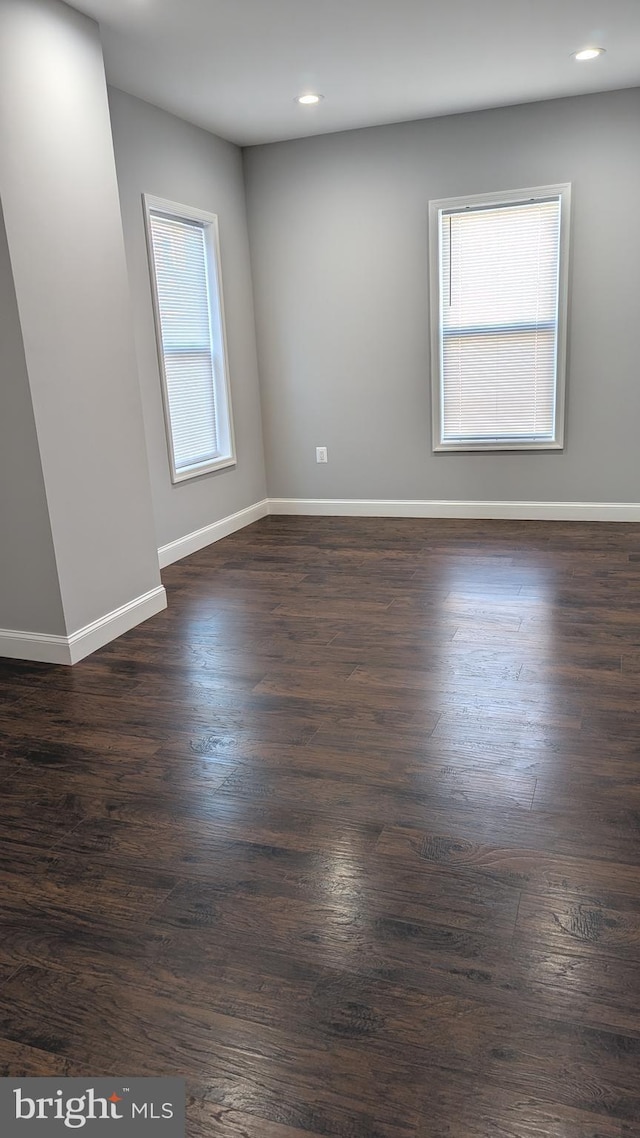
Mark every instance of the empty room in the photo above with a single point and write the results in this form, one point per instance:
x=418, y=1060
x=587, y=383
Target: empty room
x=320, y=568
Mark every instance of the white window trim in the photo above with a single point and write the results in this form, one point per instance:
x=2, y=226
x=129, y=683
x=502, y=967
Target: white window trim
x=223, y=389
x=563, y=190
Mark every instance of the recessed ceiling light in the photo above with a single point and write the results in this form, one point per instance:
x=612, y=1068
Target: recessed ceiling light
x=588, y=53
x=308, y=100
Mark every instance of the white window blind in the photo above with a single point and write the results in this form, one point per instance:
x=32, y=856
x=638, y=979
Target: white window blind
x=499, y=291
x=190, y=337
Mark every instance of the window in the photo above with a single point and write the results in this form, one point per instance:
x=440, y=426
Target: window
x=187, y=292
x=499, y=267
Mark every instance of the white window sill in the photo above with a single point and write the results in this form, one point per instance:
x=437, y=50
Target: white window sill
x=203, y=468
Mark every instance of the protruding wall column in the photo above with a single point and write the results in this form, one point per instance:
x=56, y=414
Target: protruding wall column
x=65, y=246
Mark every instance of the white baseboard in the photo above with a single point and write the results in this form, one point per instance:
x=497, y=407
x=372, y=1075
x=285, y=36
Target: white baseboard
x=88, y=639
x=521, y=511
x=34, y=646
x=192, y=542
x=70, y=649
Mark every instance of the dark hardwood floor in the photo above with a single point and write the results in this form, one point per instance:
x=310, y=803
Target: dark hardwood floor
x=348, y=836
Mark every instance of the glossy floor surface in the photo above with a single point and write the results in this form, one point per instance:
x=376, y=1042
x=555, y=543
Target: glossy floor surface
x=348, y=836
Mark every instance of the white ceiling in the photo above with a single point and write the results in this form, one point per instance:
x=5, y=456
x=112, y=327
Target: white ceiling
x=235, y=66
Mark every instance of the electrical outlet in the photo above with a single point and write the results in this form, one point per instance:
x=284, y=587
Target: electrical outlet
x=321, y=454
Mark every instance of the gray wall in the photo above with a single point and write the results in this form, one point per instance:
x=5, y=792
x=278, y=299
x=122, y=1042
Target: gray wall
x=29, y=593
x=64, y=233
x=338, y=228
x=159, y=154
